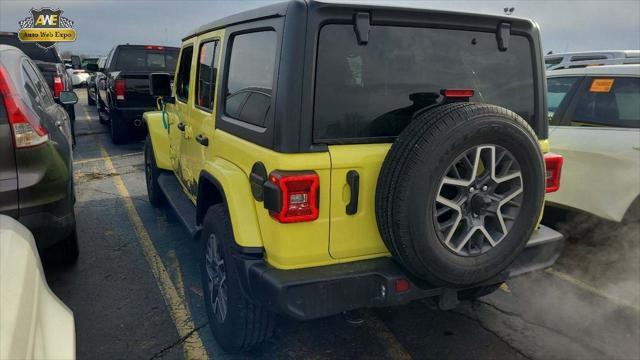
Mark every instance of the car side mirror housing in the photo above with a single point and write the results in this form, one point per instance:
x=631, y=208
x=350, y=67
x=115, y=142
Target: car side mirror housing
x=68, y=97
x=92, y=67
x=160, y=84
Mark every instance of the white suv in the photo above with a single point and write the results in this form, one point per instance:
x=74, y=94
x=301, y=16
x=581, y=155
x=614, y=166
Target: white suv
x=594, y=114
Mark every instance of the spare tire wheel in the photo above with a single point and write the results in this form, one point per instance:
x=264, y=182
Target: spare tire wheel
x=460, y=192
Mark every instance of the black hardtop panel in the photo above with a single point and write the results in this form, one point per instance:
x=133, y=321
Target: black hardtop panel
x=294, y=85
x=264, y=12
x=280, y=9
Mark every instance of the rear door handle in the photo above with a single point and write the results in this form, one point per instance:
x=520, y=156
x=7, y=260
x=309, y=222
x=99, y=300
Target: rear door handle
x=202, y=140
x=180, y=126
x=353, y=180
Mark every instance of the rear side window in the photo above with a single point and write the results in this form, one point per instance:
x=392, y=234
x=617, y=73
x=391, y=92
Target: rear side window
x=557, y=89
x=251, y=69
x=371, y=92
x=184, y=74
x=143, y=59
x=607, y=101
x=207, y=71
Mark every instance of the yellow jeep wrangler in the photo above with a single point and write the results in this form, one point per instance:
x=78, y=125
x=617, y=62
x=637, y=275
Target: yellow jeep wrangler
x=333, y=157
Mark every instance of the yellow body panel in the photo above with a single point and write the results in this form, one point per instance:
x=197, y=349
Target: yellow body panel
x=159, y=138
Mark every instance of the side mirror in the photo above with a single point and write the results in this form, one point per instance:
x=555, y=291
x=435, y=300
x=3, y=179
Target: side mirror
x=92, y=67
x=68, y=98
x=160, y=84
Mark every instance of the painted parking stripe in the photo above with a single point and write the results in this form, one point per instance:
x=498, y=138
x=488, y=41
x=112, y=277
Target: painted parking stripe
x=584, y=286
x=180, y=314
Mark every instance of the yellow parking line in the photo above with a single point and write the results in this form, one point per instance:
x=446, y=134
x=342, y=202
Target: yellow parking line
x=85, y=161
x=395, y=349
x=584, y=286
x=193, y=346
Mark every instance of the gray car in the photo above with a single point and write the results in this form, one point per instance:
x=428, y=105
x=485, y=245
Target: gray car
x=36, y=175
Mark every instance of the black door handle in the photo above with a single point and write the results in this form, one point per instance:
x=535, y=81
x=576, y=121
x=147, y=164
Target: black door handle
x=353, y=180
x=180, y=126
x=203, y=140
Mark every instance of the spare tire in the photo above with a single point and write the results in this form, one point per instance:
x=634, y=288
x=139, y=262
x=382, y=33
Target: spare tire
x=460, y=192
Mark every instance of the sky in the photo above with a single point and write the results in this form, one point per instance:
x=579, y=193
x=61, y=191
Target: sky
x=570, y=25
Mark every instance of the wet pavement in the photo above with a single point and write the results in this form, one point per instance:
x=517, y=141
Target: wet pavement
x=136, y=292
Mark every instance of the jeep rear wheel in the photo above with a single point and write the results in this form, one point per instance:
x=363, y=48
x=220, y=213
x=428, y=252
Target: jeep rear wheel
x=460, y=192
x=237, y=322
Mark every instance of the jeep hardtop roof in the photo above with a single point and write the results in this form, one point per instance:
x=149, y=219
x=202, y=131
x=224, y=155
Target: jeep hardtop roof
x=281, y=8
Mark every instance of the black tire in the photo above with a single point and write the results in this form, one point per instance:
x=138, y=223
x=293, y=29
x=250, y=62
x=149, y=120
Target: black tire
x=90, y=101
x=65, y=252
x=410, y=180
x=118, y=129
x=245, y=324
x=152, y=172
x=101, y=115
x=478, y=292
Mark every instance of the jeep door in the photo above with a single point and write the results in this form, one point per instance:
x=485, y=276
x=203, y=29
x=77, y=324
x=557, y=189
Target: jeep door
x=201, y=120
x=178, y=115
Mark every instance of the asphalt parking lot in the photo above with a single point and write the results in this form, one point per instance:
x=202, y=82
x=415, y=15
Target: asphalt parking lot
x=136, y=293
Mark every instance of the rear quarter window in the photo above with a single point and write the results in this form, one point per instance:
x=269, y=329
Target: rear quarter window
x=141, y=59
x=617, y=105
x=251, y=70
x=370, y=92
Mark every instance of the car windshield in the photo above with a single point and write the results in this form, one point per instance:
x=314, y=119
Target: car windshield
x=373, y=90
x=143, y=59
x=32, y=50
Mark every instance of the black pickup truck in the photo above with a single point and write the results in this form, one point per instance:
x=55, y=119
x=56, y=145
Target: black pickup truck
x=123, y=85
x=50, y=65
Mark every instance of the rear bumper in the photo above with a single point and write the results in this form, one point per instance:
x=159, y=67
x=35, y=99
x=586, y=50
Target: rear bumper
x=129, y=115
x=323, y=291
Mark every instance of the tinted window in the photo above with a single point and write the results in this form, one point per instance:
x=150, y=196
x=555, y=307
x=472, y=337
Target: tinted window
x=141, y=59
x=184, y=74
x=234, y=104
x=207, y=70
x=39, y=84
x=251, y=66
x=557, y=89
x=372, y=91
x=607, y=102
x=32, y=50
x=256, y=108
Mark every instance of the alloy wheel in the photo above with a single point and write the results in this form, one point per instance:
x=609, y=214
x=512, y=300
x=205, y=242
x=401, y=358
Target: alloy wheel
x=478, y=200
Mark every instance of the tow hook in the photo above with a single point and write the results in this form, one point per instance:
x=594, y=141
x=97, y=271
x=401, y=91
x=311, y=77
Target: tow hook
x=448, y=300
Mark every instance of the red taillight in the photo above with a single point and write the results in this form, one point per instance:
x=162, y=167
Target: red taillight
x=154, y=47
x=553, y=168
x=58, y=86
x=458, y=93
x=26, y=129
x=299, y=196
x=119, y=87
x=402, y=285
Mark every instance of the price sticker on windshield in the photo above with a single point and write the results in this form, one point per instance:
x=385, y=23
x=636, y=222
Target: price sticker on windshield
x=601, y=85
